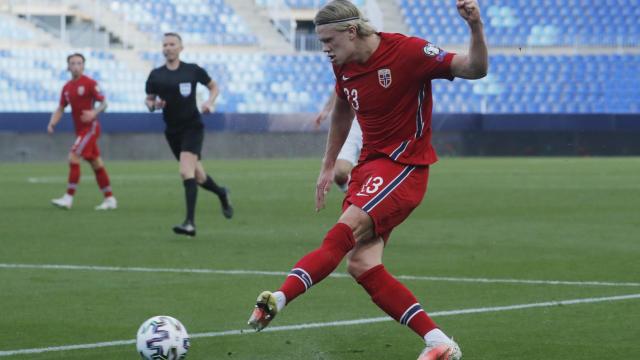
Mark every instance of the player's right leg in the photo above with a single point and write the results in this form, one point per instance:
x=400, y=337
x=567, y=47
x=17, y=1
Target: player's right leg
x=354, y=225
x=66, y=201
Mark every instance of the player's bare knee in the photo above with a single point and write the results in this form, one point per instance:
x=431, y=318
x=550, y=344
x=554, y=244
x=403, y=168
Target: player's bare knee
x=340, y=178
x=185, y=174
x=358, y=265
x=73, y=158
x=201, y=177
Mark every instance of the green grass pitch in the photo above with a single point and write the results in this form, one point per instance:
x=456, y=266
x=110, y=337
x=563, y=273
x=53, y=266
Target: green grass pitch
x=565, y=219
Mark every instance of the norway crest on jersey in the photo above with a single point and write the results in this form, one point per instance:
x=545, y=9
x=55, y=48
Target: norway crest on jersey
x=185, y=89
x=80, y=90
x=384, y=78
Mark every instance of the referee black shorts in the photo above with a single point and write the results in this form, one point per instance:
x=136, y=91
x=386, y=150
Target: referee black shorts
x=189, y=139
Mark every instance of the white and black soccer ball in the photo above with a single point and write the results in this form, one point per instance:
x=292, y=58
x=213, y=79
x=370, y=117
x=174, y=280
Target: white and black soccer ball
x=162, y=338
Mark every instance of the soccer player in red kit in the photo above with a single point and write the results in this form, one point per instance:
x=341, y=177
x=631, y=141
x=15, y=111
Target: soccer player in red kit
x=386, y=80
x=82, y=92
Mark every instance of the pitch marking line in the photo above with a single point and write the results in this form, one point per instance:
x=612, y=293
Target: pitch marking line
x=336, y=275
x=335, y=323
x=134, y=177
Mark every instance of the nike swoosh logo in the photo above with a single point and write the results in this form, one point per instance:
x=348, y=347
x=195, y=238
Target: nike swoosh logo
x=344, y=78
x=360, y=194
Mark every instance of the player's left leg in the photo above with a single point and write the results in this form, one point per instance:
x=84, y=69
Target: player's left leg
x=207, y=183
x=188, y=163
x=104, y=183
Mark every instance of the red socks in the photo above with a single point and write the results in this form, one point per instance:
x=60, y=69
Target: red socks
x=74, y=178
x=396, y=300
x=103, y=181
x=318, y=264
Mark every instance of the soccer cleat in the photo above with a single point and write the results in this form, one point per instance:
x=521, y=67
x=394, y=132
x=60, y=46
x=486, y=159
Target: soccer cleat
x=264, y=311
x=109, y=203
x=64, y=202
x=441, y=351
x=185, y=228
x=227, y=209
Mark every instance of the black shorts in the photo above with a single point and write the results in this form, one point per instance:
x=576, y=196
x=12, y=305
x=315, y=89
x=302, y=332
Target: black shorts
x=189, y=139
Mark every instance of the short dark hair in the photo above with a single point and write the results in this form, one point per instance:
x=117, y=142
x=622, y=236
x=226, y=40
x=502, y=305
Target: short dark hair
x=173, y=34
x=74, y=55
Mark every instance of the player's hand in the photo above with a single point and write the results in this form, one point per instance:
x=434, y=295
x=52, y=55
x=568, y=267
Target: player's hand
x=469, y=10
x=319, y=119
x=325, y=179
x=88, y=115
x=50, y=128
x=207, y=108
x=159, y=104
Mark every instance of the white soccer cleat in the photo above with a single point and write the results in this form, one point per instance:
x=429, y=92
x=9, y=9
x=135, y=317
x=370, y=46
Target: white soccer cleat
x=108, y=203
x=441, y=351
x=64, y=202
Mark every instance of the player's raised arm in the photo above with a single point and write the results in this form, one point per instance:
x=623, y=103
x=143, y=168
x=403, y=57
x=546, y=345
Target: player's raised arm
x=474, y=64
x=341, y=118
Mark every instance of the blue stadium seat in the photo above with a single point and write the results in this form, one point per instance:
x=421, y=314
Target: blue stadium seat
x=536, y=23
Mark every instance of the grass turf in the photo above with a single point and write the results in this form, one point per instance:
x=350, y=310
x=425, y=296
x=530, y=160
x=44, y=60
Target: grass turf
x=571, y=219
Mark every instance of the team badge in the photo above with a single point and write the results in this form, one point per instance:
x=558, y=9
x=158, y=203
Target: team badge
x=185, y=89
x=80, y=90
x=431, y=50
x=384, y=77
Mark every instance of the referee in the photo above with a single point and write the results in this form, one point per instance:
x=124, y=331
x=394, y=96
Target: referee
x=172, y=88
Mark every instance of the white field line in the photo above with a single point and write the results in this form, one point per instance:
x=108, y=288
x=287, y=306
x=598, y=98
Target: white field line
x=335, y=323
x=336, y=275
x=134, y=177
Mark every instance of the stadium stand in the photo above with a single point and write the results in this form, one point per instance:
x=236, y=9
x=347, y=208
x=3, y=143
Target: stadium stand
x=198, y=21
x=530, y=22
x=255, y=81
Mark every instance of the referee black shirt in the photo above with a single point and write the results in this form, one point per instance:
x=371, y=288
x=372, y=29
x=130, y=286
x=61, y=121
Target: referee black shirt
x=178, y=89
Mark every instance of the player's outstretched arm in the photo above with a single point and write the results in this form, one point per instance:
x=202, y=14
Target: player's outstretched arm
x=474, y=64
x=55, y=119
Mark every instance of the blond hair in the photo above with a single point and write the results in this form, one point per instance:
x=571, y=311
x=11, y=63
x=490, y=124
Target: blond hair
x=342, y=14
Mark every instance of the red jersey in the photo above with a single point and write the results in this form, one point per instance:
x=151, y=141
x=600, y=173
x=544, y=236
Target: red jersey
x=82, y=95
x=391, y=95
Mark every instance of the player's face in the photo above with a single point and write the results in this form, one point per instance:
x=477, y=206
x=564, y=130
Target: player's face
x=76, y=66
x=338, y=45
x=171, y=48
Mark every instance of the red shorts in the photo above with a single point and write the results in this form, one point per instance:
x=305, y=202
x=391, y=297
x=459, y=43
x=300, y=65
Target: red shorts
x=386, y=190
x=86, y=144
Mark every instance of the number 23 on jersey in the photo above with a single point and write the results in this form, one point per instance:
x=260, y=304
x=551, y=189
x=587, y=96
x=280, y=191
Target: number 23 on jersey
x=352, y=97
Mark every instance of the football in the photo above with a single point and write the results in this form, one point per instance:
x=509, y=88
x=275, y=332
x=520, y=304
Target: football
x=162, y=338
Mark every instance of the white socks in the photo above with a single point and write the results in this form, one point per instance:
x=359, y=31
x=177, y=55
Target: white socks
x=436, y=336
x=281, y=300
